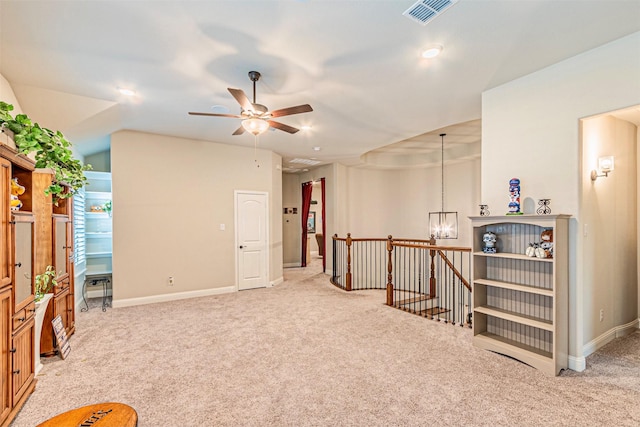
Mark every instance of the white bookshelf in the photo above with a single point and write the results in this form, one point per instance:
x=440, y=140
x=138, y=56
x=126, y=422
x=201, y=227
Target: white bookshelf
x=98, y=224
x=520, y=303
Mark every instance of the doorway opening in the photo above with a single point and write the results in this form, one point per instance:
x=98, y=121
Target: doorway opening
x=313, y=226
x=610, y=228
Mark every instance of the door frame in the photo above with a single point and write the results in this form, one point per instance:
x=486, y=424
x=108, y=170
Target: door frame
x=267, y=235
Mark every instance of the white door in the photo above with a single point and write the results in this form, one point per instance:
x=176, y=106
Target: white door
x=252, y=237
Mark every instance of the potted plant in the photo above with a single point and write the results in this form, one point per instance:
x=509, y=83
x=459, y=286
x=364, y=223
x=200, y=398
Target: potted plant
x=51, y=150
x=107, y=207
x=45, y=282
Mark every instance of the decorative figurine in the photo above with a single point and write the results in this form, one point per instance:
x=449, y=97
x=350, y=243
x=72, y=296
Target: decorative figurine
x=531, y=250
x=16, y=190
x=547, y=243
x=544, y=208
x=484, y=210
x=514, y=197
x=489, y=242
x=544, y=248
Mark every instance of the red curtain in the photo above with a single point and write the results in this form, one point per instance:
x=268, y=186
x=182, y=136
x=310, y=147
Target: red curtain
x=307, y=190
x=324, y=230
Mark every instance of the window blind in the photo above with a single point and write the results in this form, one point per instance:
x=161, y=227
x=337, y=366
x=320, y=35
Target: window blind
x=79, y=245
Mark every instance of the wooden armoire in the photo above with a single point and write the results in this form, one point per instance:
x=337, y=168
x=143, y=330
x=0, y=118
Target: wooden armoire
x=37, y=234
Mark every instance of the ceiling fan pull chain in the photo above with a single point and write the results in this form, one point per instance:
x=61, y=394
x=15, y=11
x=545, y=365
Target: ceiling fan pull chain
x=255, y=150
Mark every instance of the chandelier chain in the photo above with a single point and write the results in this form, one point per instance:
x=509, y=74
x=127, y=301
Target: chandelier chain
x=442, y=135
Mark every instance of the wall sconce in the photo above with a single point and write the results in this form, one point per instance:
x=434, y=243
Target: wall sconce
x=605, y=165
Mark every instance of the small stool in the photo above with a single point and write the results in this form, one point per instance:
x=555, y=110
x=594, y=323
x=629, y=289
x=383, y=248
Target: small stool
x=109, y=414
x=94, y=280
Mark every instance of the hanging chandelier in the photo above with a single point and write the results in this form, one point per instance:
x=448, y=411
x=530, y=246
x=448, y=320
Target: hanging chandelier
x=443, y=225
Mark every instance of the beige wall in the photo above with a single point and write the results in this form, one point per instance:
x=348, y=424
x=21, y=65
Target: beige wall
x=291, y=198
x=7, y=95
x=530, y=130
x=275, y=226
x=170, y=196
x=398, y=202
x=376, y=203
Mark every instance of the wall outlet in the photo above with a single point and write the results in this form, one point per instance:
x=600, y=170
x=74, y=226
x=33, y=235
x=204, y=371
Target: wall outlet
x=601, y=314
x=170, y=280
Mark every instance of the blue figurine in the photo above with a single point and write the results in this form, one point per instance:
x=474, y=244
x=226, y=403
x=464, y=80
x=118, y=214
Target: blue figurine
x=514, y=197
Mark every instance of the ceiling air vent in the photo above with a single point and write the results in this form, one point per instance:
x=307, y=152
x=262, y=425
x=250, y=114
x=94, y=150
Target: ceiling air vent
x=424, y=11
x=305, y=162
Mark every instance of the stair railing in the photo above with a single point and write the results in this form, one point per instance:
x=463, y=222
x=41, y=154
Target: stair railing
x=430, y=280
x=419, y=276
x=359, y=263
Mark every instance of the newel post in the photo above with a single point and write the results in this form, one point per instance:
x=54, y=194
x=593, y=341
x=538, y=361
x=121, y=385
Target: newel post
x=432, y=279
x=348, y=284
x=389, y=271
x=335, y=261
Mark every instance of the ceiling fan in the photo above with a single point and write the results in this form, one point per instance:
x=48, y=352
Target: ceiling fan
x=256, y=117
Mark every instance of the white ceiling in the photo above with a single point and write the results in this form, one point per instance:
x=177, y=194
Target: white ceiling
x=356, y=62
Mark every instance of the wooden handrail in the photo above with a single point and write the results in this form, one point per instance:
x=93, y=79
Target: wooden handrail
x=433, y=247
x=455, y=270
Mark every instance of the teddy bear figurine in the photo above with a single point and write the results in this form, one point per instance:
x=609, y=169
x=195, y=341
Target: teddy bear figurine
x=16, y=190
x=546, y=244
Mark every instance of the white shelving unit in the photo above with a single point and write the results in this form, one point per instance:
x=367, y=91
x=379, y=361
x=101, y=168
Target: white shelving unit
x=520, y=303
x=98, y=224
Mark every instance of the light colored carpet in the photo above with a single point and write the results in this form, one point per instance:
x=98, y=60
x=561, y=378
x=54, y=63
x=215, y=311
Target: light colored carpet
x=305, y=353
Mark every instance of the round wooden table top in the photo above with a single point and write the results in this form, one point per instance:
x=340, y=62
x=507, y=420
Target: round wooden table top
x=108, y=414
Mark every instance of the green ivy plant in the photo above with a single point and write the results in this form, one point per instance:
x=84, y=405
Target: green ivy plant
x=52, y=150
x=45, y=282
x=107, y=207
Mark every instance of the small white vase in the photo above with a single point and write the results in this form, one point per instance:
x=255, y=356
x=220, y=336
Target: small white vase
x=41, y=309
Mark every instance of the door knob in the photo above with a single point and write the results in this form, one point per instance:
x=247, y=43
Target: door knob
x=241, y=246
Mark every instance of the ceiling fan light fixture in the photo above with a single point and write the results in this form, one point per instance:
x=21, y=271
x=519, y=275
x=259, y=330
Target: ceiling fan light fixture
x=255, y=126
x=432, y=51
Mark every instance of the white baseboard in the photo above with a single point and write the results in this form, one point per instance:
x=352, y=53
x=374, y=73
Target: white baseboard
x=129, y=302
x=96, y=293
x=577, y=364
x=580, y=363
x=278, y=281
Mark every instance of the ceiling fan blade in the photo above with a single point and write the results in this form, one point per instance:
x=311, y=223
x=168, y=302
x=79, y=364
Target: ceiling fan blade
x=235, y=116
x=282, y=126
x=305, y=108
x=242, y=99
x=239, y=131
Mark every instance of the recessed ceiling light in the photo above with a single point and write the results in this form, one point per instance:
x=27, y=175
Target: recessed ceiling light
x=126, y=92
x=317, y=148
x=432, y=51
x=305, y=127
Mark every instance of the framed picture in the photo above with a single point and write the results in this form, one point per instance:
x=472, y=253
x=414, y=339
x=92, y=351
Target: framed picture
x=311, y=223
